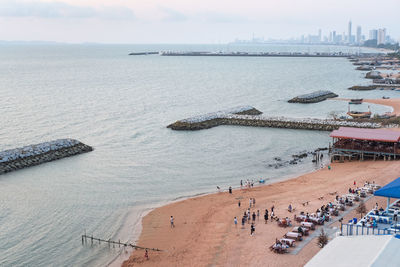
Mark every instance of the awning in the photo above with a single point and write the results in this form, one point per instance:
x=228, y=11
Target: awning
x=392, y=189
x=380, y=135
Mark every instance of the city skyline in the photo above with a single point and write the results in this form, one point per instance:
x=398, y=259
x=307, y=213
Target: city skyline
x=178, y=21
x=345, y=37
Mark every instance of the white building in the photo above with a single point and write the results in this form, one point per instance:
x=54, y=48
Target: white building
x=381, y=36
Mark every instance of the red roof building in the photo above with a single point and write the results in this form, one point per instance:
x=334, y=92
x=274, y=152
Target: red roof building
x=357, y=143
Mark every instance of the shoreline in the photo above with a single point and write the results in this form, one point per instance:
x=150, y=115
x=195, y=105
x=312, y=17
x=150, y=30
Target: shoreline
x=203, y=210
x=393, y=103
x=134, y=236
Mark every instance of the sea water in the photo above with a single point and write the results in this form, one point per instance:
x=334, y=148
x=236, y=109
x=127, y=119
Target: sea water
x=121, y=105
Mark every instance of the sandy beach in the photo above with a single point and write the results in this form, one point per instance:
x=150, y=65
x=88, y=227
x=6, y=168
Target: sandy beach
x=393, y=102
x=205, y=234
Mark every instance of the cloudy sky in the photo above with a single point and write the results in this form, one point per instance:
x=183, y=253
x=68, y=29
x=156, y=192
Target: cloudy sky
x=188, y=21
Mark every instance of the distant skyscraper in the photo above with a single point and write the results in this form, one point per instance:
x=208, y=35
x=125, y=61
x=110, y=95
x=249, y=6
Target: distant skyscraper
x=320, y=35
x=381, y=36
x=349, y=33
x=334, y=39
x=373, y=35
x=358, y=40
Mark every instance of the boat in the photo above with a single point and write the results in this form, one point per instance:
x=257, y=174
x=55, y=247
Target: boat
x=359, y=114
x=356, y=101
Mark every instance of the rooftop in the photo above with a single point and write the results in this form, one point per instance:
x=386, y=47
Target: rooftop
x=381, y=135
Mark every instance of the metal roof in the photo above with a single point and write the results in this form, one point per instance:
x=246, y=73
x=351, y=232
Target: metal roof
x=382, y=135
x=358, y=251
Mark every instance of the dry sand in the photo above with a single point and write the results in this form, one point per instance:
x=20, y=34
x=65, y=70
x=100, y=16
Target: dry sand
x=206, y=236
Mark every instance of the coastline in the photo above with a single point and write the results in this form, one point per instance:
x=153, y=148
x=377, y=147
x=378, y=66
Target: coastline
x=206, y=234
x=134, y=235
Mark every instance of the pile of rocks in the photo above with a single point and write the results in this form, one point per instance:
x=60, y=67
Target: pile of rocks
x=32, y=155
x=313, y=97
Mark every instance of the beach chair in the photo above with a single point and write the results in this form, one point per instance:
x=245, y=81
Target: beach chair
x=292, y=235
x=289, y=242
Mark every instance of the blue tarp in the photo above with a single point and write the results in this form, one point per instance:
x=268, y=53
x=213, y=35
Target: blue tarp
x=392, y=189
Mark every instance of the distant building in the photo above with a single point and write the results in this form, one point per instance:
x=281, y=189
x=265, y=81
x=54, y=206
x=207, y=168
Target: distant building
x=373, y=35
x=381, y=36
x=358, y=39
x=349, y=33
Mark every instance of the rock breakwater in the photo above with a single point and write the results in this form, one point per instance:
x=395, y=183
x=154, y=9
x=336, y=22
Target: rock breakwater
x=27, y=156
x=313, y=97
x=224, y=118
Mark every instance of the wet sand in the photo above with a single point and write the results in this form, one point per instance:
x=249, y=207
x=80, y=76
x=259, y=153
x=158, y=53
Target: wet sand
x=205, y=234
x=392, y=102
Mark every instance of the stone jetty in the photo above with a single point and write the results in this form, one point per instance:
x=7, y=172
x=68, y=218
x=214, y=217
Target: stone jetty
x=27, y=156
x=313, y=97
x=234, y=118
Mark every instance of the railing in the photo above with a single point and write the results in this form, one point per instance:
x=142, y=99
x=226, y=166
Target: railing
x=353, y=229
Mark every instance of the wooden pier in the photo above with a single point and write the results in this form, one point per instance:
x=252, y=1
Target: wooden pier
x=93, y=240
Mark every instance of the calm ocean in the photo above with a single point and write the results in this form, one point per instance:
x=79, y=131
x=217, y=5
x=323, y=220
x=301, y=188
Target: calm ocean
x=121, y=105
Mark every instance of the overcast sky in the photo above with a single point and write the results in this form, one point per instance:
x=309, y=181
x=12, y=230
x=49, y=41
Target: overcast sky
x=189, y=21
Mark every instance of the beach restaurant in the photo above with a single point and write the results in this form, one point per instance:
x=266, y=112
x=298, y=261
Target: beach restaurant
x=360, y=143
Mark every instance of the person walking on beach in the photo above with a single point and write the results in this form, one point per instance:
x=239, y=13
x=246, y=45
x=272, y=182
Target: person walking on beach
x=239, y=204
x=266, y=216
x=258, y=215
x=254, y=217
x=243, y=221
x=172, y=222
x=146, y=254
x=250, y=202
x=254, y=202
x=235, y=221
x=272, y=215
x=241, y=184
x=252, y=229
x=230, y=190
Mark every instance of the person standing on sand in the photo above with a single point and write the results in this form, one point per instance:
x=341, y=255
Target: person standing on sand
x=241, y=184
x=239, y=204
x=272, y=215
x=243, y=221
x=254, y=202
x=250, y=201
x=258, y=215
x=146, y=254
x=230, y=190
x=235, y=221
x=254, y=217
x=266, y=216
x=252, y=229
x=172, y=222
